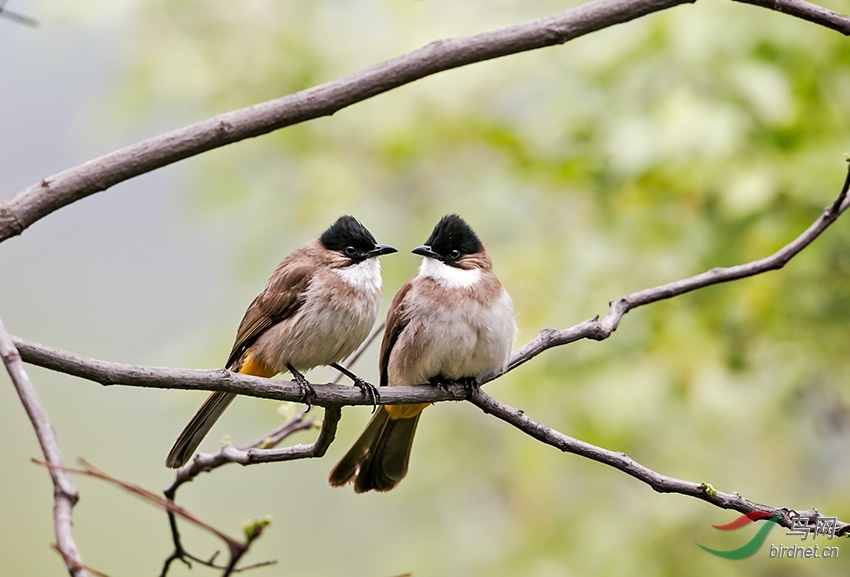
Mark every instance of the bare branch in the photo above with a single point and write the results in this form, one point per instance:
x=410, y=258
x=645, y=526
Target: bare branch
x=109, y=373
x=622, y=462
x=806, y=11
x=65, y=495
x=252, y=454
x=52, y=193
x=236, y=548
x=248, y=455
x=601, y=330
x=17, y=18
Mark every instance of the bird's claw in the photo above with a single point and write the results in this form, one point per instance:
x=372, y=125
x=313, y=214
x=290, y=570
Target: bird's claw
x=369, y=391
x=308, y=393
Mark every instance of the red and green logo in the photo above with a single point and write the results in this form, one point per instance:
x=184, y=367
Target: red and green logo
x=751, y=546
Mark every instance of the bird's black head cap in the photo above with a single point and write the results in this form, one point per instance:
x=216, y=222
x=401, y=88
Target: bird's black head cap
x=452, y=238
x=346, y=234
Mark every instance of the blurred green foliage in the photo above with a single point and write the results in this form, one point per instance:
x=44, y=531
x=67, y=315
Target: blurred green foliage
x=709, y=135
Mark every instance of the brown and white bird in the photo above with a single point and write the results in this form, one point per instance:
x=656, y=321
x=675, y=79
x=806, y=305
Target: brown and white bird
x=318, y=306
x=453, y=321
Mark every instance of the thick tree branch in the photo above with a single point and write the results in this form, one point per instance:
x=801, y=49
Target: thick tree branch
x=659, y=483
x=52, y=193
x=108, y=373
x=65, y=495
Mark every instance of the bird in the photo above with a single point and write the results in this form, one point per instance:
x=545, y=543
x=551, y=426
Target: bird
x=453, y=321
x=318, y=306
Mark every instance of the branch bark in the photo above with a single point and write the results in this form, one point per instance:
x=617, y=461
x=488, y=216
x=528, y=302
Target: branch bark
x=65, y=494
x=52, y=193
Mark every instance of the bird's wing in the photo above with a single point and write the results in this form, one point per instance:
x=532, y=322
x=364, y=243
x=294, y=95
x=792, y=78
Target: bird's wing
x=396, y=322
x=282, y=297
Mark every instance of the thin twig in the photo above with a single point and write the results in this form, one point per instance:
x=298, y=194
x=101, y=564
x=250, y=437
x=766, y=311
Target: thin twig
x=248, y=455
x=236, y=548
x=65, y=495
x=252, y=454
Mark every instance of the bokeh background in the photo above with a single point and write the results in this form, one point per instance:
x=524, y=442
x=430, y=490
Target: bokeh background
x=705, y=136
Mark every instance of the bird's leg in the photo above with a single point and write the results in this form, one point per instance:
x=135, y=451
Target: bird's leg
x=369, y=390
x=307, y=391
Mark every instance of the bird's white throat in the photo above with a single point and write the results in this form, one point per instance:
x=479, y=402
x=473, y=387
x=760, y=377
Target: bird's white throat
x=365, y=275
x=450, y=277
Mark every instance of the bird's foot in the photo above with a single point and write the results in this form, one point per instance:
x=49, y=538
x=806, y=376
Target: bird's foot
x=443, y=384
x=470, y=385
x=368, y=390
x=308, y=393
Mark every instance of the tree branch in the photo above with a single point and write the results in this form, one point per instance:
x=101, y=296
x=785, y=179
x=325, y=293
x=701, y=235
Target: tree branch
x=16, y=17
x=236, y=548
x=261, y=451
x=65, y=495
x=601, y=330
x=253, y=453
x=52, y=193
x=622, y=462
x=109, y=373
x=806, y=11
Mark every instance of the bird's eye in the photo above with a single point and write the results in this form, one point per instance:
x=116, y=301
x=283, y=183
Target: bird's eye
x=455, y=254
x=350, y=251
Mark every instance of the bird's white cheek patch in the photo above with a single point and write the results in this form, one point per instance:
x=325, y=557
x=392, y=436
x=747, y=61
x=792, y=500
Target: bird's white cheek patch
x=446, y=276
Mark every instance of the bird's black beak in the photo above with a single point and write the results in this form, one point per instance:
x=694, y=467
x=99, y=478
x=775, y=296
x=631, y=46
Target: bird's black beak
x=382, y=249
x=426, y=250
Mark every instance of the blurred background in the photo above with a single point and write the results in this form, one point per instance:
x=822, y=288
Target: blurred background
x=709, y=135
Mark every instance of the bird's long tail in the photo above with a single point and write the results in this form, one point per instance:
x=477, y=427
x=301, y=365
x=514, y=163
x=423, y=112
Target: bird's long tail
x=195, y=431
x=379, y=458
